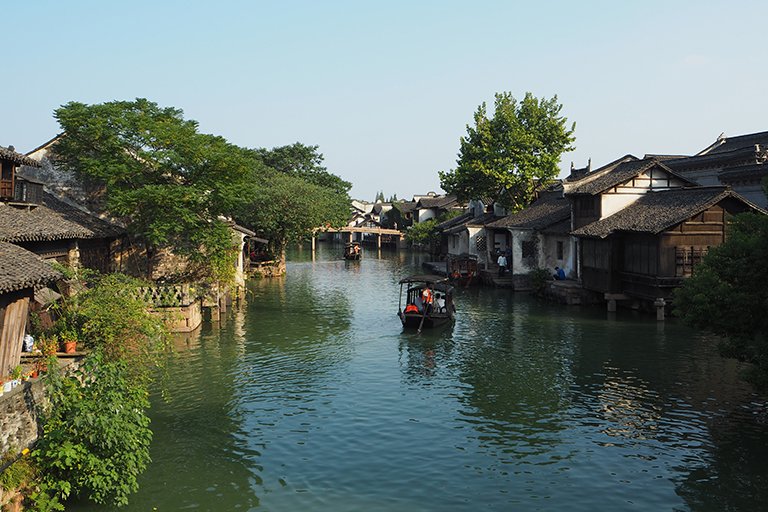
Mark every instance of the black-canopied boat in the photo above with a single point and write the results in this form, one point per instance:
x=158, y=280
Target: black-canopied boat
x=353, y=251
x=428, y=301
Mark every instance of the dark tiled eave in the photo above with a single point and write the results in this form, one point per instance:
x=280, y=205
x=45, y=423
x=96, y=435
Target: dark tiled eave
x=539, y=215
x=20, y=269
x=17, y=158
x=658, y=211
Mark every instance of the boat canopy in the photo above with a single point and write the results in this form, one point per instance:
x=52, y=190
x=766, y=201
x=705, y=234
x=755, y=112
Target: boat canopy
x=425, y=278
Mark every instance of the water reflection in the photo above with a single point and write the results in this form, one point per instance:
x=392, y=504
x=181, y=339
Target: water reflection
x=312, y=397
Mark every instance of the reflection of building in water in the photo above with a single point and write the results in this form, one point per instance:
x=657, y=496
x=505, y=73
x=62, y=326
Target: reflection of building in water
x=183, y=341
x=631, y=409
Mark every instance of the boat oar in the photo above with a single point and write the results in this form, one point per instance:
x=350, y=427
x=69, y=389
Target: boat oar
x=421, y=324
x=422, y=319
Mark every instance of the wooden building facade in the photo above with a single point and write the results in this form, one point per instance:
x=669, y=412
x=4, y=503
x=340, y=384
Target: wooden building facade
x=647, y=249
x=20, y=272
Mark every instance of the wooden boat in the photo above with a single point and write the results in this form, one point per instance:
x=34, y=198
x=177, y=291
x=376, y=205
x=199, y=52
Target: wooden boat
x=428, y=301
x=462, y=269
x=353, y=251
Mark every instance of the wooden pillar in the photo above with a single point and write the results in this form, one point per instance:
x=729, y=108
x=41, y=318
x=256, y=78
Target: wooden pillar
x=378, y=241
x=314, y=243
x=350, y=237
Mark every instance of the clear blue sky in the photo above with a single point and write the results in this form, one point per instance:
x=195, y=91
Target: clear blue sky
x=387, y=88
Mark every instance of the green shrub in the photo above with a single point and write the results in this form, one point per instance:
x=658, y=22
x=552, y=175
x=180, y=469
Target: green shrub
x=96, y=436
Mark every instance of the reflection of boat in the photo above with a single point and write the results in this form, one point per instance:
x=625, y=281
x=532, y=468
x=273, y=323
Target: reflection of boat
x=462, y=268
x=428, y=301
x=352, y=251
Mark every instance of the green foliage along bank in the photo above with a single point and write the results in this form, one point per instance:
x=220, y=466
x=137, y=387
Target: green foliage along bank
x=96, y=434
x=728, y=295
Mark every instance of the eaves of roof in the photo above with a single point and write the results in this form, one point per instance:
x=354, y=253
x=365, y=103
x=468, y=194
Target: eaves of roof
x=20, y=269
x=657, y=211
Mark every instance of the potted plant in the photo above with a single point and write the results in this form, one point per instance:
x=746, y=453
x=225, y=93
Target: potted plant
x=16, y=375
x=68, y=341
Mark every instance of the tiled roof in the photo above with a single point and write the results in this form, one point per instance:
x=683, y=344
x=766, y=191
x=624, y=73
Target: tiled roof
x=657, y=211
x=583, y=178
x=437, y=202
x=559, y=228
x=21, y=269
x=455, y=221
x=545, y=211
x=17, y=158
x=622, y=173
x=405, y=206
x=479, y=221
x=53, y=220
x=725, y=144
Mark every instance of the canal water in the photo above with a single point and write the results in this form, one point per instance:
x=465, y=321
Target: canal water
x=311, y=397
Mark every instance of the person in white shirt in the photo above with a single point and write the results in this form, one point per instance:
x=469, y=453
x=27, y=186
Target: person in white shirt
x=502, y=261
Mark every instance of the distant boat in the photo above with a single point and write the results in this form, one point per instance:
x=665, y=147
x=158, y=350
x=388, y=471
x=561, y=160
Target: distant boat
x=428, y=302
x=353, y=251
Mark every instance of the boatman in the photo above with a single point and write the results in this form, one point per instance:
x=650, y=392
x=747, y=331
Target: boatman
x=426, y=297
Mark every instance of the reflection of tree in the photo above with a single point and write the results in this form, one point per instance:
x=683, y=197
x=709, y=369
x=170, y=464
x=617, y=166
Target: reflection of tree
x=518, y=376
x=734, y=477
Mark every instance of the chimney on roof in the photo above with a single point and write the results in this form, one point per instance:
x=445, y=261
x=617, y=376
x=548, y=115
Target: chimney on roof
x=11, y=148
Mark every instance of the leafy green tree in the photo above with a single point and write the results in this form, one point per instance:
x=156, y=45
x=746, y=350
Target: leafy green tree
x=427, y=232
x=727, y=294
x=286, y=209
x=304, y=162
x=154, y=170
x=517, y=149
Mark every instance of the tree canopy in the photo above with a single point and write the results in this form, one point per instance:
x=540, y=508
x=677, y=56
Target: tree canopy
x=304, y=162
x=517, y=149
x=727, y=294
x=170, y=183
x=174, y=187
x=293, y=194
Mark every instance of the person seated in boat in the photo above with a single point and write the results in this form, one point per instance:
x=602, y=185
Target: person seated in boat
x=356, y=250
x=439, y=303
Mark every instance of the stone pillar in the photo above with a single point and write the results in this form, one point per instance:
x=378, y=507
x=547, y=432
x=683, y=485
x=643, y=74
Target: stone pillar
x=314, y=243
x=611, y=305
x=73, y=255
x=660, y=304
x=378, y=241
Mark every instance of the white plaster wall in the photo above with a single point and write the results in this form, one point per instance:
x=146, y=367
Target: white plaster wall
x=520, y=266
x=612, y=203
x=474, y=232
x=425, y=214
x=548, y=254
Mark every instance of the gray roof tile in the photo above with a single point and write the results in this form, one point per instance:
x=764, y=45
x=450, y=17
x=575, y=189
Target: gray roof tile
x=549, y=209
x=52, y=220
x=17, y=158
x=657, y=211
x=598, y=182
x=21, y=269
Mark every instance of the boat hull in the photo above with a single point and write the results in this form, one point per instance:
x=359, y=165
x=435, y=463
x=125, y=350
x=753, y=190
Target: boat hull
x=414, y=320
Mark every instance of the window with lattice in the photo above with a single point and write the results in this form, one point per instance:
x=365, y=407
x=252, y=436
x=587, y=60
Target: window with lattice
x=480, y=243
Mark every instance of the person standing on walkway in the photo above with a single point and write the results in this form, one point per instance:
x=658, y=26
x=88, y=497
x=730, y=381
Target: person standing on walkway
x=502, y=262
